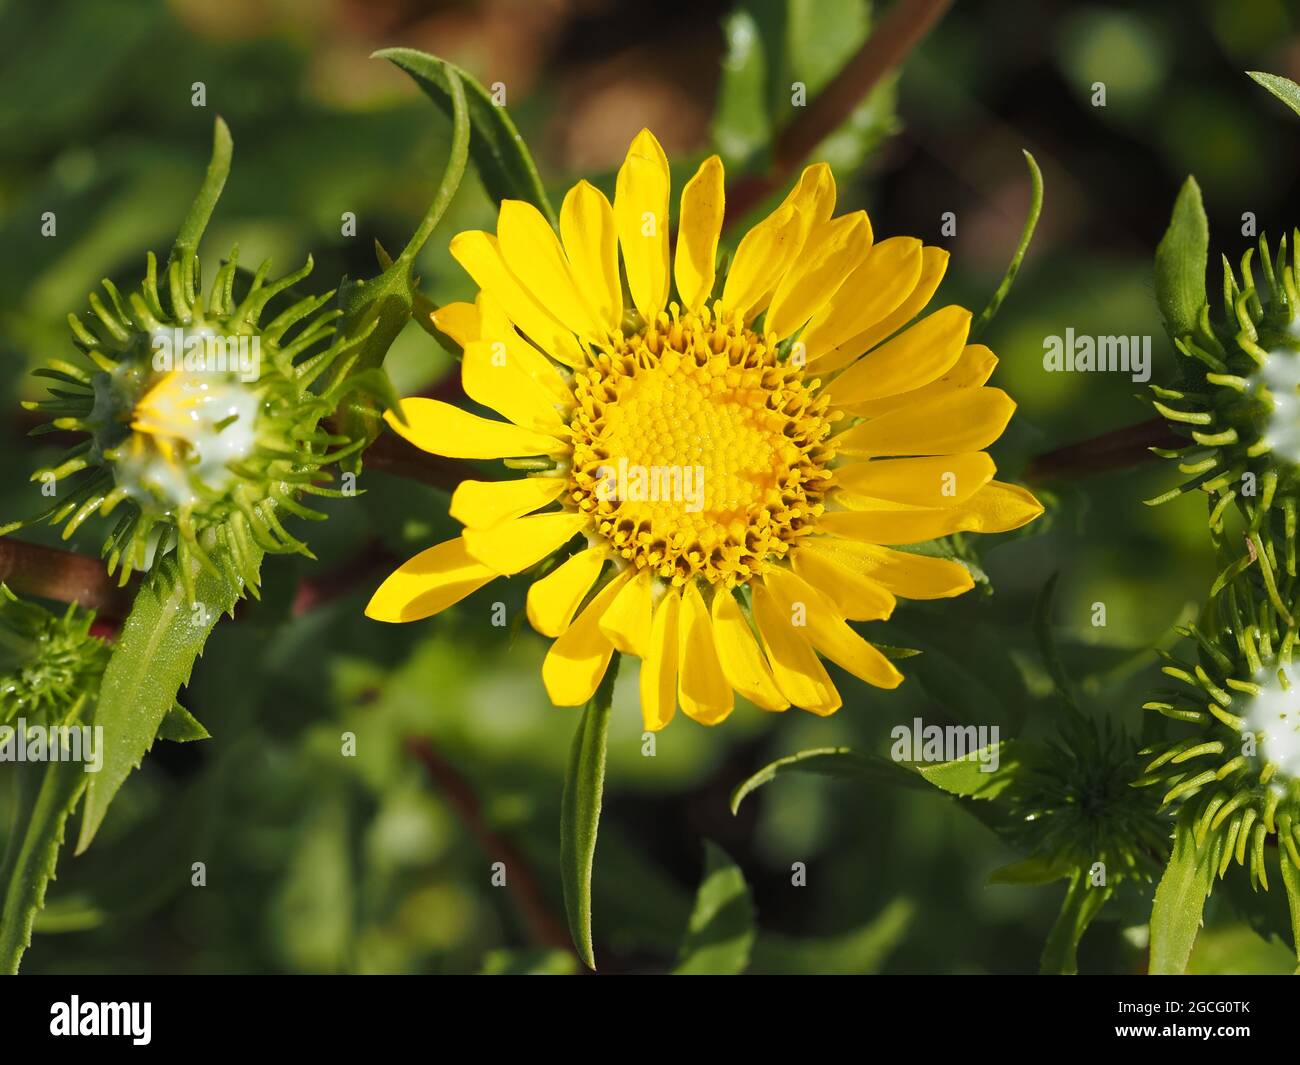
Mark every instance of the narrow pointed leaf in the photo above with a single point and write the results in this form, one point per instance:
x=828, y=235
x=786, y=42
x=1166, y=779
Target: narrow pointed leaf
x=151, y=661
x=1180, y=900
x=1284, y=89
x=1181, y=261
x=500, y=155
x=831, y=762
x=584, y=786
x=1026, y=235
x=720, y=934
x=1082, y=903
x=47, y=794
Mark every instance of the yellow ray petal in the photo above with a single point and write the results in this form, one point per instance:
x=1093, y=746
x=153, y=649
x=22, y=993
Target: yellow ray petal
x=796, y=669
x=914, y=358
x=856, y=597
x=480, y=255
x=641, y=213
x=627, y=621
x=702, y=687
x=591, y=244
x=496, y=329
x=577, y=660
x=659, y=667
x=703, y=200
x=973, y=367
x=937, y=481
x=515, y=545
x=554, y=599
x=934, y=261
x=534, y=254
x=966, y=420
x=483, y=504
x=764, y=254
x=813, y=201
x=442, y=429
x=743, y=664
x=997, y=507
x=489, y=376
x=830, y=634
x=831, y=253
x=814, y=193
x=428, y=583
x=907, y=575
x=458, y=320
x=875, y=288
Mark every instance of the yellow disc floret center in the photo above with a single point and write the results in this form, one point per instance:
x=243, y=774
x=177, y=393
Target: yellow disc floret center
x=698, y=451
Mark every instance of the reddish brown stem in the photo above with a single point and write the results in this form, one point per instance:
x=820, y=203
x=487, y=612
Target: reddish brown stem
x=545, y=929
x=52, y=573
x=1116, y=450
x=392, y=454
x=901, y=30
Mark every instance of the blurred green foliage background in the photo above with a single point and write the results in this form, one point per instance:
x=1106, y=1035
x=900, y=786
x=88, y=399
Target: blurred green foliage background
x=382, y=862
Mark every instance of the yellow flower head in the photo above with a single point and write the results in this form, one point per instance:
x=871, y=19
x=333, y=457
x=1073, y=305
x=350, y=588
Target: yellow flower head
x=740, y=463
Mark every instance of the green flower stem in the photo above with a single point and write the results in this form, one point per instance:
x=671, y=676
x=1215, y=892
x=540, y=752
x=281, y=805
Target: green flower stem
x=451, y=175
x=1082, y=903
x=1026, y=235
x=584, y=785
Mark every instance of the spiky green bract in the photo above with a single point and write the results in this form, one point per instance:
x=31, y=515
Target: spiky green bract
x=170, y=487
x=1235, y=765
x=49, y=663
x=1071, y=803
x=1239, y=404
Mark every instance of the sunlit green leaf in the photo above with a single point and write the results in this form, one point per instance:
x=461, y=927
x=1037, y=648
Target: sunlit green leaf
x=720, y=934
x=500, y=155
x=1082, y=903
x=1284, y=89
x=160, y=641
x=1180, y=898
x=1180, y=263
x=584, y=786
x=831, y=762
x=47, y=794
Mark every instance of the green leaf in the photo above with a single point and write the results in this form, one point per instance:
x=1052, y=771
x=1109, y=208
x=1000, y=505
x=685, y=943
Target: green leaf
x=47, y=794
x=1180, y=897
x=196, y=220
x=1291, y=881
x=1026, y=235
x=180, y=726
x=1046, y=639
x=376, y=310
x=742, y=128
x=584, y=786
x=831, y=762
x=500, y=155
x=1181, y=261
x=1082, y=903
x=151, y=661
x=720, y=933
x=1284, y=89
x=861, y=950
x=967, y=776
x=1041, y=869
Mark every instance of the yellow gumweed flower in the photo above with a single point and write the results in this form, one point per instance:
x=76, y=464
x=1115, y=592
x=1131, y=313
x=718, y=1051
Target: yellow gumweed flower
x=740, y=463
